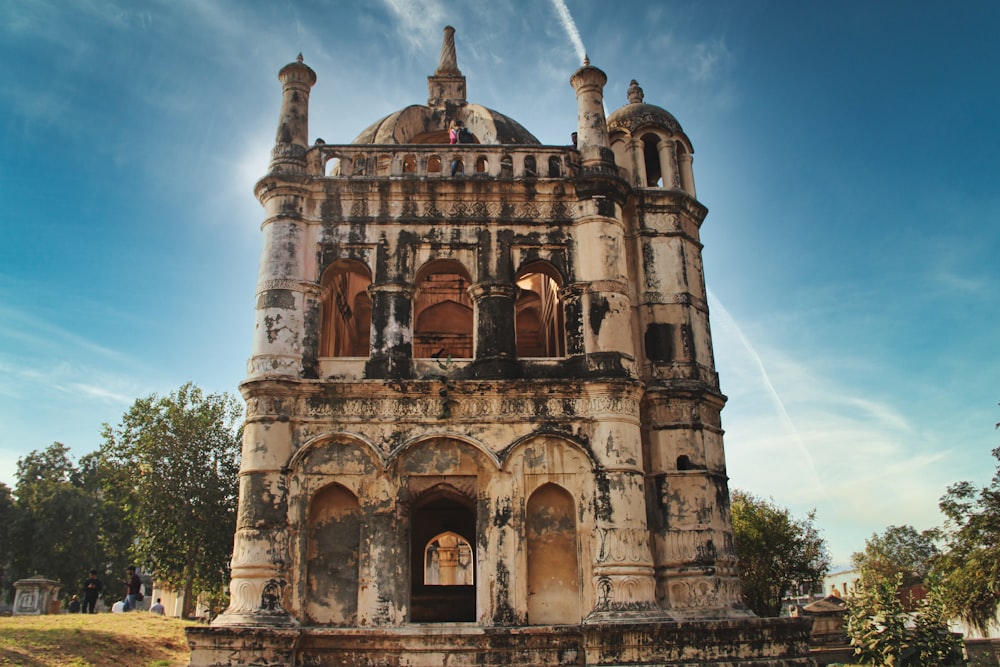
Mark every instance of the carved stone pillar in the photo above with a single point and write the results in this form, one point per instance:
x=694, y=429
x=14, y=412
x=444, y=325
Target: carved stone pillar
x=668, y=164
x=289, y=153
x=687, y=174
x=392, y=330
x=623, y=575
x=637, y=157
x=494, y=320
x=260, y=546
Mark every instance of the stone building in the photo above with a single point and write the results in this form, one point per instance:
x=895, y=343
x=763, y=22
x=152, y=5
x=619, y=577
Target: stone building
x=483, y=413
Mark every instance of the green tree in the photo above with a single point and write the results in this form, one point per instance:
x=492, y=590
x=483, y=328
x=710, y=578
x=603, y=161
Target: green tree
x=172, y=464
x=6, y=520
x=54, y=529
x=970, y=567
x=777, y=552
x=899, y=550
x=883, y=633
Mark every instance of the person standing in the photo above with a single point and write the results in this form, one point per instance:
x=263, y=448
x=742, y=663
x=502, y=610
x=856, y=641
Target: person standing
x=133, y=588
x=91, y=592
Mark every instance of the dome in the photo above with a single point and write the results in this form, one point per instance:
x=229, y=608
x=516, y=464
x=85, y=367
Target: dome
x=637, y=114
x=428, y=124
x=420, y=124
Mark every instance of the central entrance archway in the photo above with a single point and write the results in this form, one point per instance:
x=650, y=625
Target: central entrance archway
x=442, y=558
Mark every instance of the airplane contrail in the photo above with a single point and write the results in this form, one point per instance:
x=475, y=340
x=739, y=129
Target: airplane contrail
x=570, y=26
x=779, y=404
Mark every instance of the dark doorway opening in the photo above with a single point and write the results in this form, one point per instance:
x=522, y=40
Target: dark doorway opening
x=443, y=558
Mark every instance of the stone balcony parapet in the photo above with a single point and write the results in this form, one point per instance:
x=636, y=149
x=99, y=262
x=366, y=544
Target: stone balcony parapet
x=503, y=162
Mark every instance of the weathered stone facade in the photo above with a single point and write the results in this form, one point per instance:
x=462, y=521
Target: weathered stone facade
x=483, y=414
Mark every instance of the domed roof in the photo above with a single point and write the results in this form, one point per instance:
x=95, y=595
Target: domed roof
x=420, y=124
x=637, y=114
x=428, y=124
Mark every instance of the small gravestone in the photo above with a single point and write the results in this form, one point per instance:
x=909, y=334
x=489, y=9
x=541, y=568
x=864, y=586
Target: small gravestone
x=35, y=596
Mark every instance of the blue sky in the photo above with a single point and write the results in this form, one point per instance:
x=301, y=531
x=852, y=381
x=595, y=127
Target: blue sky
x=848, y=152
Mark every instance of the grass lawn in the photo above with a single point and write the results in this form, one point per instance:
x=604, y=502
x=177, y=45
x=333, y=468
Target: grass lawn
x=136, y=639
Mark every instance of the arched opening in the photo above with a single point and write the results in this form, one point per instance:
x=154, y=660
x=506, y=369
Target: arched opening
x=347, y=310
x=506, y=166
x=442, y=557
x=409, y=164
x=443, y=312
x=434, y=164
x=530, y=169
x=555, y=167
x=651, y=158
x=538, y=313
x=553, y=568
x=481, y=164
x=448, y=561
x=333, y=539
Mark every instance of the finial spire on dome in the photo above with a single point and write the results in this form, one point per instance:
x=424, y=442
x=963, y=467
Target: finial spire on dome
x=586, y=60
x=635, y=94
x=446, y=85
x=299, y=58
x=448, y=64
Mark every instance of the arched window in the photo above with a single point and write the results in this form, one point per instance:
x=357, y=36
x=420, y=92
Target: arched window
x=651, y=157
x=530, y=169
x=443, y=312
x=538, y=313
x=434, y=164
x=555, y=167
x=347, y=310
x=481, y=164
x=553, y=567
x=506, y=167
x=409, y=164
x=448, y=561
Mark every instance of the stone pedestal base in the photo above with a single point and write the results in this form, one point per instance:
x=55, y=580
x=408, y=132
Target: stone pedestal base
x=753, y=642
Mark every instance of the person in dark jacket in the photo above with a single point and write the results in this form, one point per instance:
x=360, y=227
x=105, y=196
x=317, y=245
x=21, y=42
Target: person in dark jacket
x=91, y=592
x=133, y=588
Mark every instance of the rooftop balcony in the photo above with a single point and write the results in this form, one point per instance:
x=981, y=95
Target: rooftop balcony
x=503, y=162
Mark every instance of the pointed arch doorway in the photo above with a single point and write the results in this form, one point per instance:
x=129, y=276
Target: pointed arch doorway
x=443, y=557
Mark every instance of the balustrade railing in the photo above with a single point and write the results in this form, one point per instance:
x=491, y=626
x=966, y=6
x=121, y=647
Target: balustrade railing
x=435, y=161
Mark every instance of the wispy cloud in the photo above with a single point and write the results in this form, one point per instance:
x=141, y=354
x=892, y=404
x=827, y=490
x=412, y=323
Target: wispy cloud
x=797, y=431
x=417, y=21
x=708, y=61
x=569, y=25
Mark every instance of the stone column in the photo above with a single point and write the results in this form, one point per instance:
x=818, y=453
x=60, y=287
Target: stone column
x=260, y=546
x=281, y=288
x=592, y=126
x=687, y=174
x=668, y=164
x=494, y=320
x=623, y=575
x=392, y=330
x=292, y=141
x=638, y=158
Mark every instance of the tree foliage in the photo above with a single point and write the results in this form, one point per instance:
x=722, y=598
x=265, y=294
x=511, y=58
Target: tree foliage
x=970, y=568
x=884, y=634
x=172, y=464
x=6, y=520
x=898, y=551
x=53, y=532
x=777, y=552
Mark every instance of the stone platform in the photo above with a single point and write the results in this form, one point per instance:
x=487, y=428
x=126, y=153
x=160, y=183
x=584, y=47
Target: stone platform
x=754, y=642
